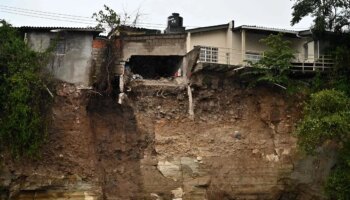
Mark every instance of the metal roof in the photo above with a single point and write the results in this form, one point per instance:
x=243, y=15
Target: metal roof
x=261, y=28
x=208, y=28
x=59, y=28
x=243, y=27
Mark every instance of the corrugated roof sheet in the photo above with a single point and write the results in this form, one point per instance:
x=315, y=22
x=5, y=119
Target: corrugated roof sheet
x=262, y=28
x=208, y=28
x=79, y=29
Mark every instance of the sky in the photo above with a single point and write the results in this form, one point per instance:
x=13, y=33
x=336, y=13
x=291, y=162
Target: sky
x=153, y=13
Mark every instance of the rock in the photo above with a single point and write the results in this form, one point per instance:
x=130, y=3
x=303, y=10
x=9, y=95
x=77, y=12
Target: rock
x=177, y=193
x=201, y=181
x=155, y=196
x=191, y=165
x=272, y=157
x=237, y=135
x=199, y=158
x=169, y=169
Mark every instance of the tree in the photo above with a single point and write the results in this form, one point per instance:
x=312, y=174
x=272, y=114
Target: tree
x=330, y=15
x=107, y=17
x=327, y=117
x=338, y=183
x=24, y=99
x=274, y=66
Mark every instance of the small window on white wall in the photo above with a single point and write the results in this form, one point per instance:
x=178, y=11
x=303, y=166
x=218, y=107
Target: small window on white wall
x=209, y=54
x=59, y=46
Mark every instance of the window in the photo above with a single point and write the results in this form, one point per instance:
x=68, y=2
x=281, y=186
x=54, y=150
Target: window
x=253, y=56
x=60, y=46
x=209, y=54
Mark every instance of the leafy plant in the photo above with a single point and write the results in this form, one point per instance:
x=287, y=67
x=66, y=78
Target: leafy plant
x=274, y=65
x=107, y=17
x=331, y=15
x=327, y=117
x=338, y=184
x=24, y=98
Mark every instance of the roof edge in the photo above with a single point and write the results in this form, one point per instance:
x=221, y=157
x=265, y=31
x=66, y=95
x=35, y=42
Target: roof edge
x=261, y=28
x=56, y=29
x=208, y=28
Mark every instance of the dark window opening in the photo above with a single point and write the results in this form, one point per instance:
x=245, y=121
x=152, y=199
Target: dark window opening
x=155, y=67
x=60, y=45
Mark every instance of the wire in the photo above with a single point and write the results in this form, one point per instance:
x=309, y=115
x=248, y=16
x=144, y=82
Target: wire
x=64, y=20
x=67, y=19
x=70, y=17
x=55, y=19
x=45, y=15
x=45, y=12
x=75, y=18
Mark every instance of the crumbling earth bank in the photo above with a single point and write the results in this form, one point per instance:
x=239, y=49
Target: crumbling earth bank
x=237, y=146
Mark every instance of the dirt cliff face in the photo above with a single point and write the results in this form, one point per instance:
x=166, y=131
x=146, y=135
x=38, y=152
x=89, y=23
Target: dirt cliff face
x=238, y=145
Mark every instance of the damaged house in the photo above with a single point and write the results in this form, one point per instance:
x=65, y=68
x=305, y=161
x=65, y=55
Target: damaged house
x=150, y=55
x=228, y=45
x=188, y=129
x=72, y=60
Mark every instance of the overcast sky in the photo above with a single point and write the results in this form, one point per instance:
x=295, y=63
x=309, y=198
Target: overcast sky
x=196, y=13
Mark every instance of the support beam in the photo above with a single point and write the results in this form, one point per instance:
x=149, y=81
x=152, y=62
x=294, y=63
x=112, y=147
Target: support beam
x=188, y=43
x=243, y=34
x=190, y=102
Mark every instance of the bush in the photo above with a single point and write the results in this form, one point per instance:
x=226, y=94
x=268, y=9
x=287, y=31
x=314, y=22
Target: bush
x=327, y=117
x=338, y=184
x=24, y=100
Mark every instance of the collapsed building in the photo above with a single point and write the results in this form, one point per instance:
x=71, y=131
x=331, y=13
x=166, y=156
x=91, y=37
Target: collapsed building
x=181, y=126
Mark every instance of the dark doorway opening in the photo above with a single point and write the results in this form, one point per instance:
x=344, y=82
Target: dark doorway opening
x=155, y=67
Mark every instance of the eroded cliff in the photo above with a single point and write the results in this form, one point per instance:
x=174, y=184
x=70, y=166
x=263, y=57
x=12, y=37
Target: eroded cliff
x=237, y=145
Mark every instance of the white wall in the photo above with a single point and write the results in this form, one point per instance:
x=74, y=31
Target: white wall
x=215, y=38
x=74, y=66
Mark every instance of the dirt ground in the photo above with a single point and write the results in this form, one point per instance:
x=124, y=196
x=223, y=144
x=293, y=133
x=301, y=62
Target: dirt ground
x=238, y=145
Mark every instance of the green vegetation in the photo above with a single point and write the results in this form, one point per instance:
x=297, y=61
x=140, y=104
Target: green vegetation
x=107, y=17
x=338, y=184
x=24, y=98
x=274, y=66
x=327, y=117
x=327, y=114
x=329, y=15
x=327, y=111
x=105, y=78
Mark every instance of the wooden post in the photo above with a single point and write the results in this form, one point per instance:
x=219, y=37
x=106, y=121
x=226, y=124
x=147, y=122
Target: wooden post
x=190, y=102
x=121, y=86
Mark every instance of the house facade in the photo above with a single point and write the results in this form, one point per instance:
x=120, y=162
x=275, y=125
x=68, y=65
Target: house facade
x=72, y=50
x=79, y=53
x=227, y=44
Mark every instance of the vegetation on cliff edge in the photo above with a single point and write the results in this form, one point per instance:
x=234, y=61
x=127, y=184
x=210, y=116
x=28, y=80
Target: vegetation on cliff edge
x=24, y=98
